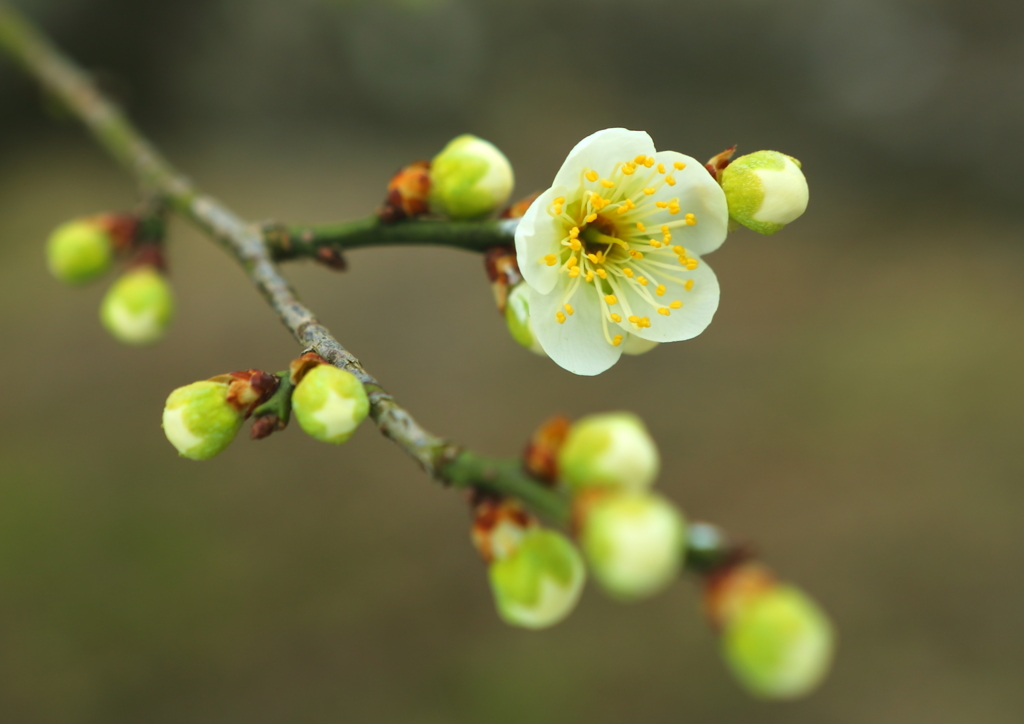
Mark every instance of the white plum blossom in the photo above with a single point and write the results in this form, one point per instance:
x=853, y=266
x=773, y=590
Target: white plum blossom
x=613, y=250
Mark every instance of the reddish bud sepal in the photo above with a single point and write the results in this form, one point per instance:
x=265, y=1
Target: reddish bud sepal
x=498, y=526
x=247, y=389
x=301, y=366
x=503, y=273
x=717, y=164
x=541, y=455
x=518, y=209
x=408, y=193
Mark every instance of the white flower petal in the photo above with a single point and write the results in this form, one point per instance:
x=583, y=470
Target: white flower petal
x=699, y=303
x=601, y=151
x=698, y=194
x=539, y=234
x=637, y=345
x=579, y=344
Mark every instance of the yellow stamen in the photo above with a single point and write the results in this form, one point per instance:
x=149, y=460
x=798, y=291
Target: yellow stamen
x=606, y=183
x=676, y=304
x=573, y=261
x=550, y=259
x=593, y=258
x=679, y=165
x=670, y=180
x=691, y=220
x=575, y=245
x=673, y=208
x=634, y=319
x=661, y=168
x=688, y=285
x=679, y=250
x=602, y=273
x=640, y=159
x=574, y=232
x=611, y=299
x=661, y=204
x=649, y=191
x=615, y=317
x=648, y=162
x=560, y=316
x=560, y=200
x=664, y=311
x=645, y=321
x=692, y=264
x=590, y=275
x=635, y=254
x=590, y=218
x=640, y=226
x=660, y=290
x=616, y=340
x=569, y=310
x=628, y=168
x=574, y=272
x=591, y=175
x=655, y=244
x=643, y=281
x=628, y=272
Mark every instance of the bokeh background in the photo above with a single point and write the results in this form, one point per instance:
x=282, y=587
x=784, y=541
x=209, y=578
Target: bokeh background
x=855, y=408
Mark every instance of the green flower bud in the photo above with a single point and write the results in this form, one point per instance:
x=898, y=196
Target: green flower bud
x=79, y=251
x=517, y=317
x=634, y=543
x=765, y=190
x=470, y=178
x=139, y=306
x=539, y=583
x=329, y=403
x=612, y=450
x=199, y=421
x=779, y=643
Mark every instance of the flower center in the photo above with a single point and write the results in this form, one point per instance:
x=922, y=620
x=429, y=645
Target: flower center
x=609, y=246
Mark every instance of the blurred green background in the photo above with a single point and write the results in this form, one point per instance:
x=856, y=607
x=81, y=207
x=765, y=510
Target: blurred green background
x=855, y=408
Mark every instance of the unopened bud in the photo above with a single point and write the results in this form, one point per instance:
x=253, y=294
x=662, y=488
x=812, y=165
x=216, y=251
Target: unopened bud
x=200, y=421
x=633, y=541
x=779, y=643
x=611, y=450
x=517, y=317
x=470, y=178
x=329, y=403
x=79, y=251
x=408, y=193
x=539, y=582
x=138, y=308
x=766, y=190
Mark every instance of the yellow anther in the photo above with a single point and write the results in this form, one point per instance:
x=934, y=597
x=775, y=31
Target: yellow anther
x=628, y=272
x=634, y=319
x=569, y=310
x=645, y=321
x=640, y=226
x=649, y=191
x=688, y=285
x=574, y=232
x=673, y=208
x=573, y=261
x=648, y=162
x=590, y=218
x=602, y=273
x=635, y=254
x=683, y=259
x=643, y=281
x=622, y=209
x=640, y=159
x=679, y=165
x=560, y=200
x=592, y=257
x=692, y=264
x=661, y=168
x=560, y=316
x=591, y=175
x=661, y=204
x=574, y=272
x=670, y=180
x=616, y=340
x=550, y=259
x=575, y=245
x=666, y=239
x=590, y=276
x=611, y=299
x=615, y=317
x=691, y=220
x=655, y=244
x=628, y=168
x=676, y=304
x=558, y=209
x=606, y=183
x=679, y=250
x=664, y=229
x=664, y=311
x=660, y=290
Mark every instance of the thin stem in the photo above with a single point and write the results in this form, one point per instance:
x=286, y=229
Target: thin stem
x=290, y=242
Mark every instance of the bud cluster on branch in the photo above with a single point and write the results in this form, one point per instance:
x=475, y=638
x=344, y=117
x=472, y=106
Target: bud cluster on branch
x=608, y=260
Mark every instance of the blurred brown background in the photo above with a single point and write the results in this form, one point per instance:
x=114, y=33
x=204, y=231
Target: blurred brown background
x=855, y=408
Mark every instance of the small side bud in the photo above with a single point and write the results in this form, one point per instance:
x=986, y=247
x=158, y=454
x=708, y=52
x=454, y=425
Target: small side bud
x=779, y=643
x=517, y=317
x=138, y=308
x=201, y=419
x=611, y=450
x=633, y=541
x=79, y=251
x=408, y=193
x=765, y=190
x=539, y=583
x=541, y=455
x=329, y=403
x=470, y=178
